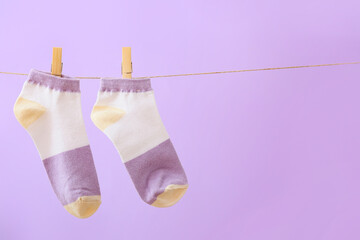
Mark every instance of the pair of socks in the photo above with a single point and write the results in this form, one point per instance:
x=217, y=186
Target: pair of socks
x=49, y=108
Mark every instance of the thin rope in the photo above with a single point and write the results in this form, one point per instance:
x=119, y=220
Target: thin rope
x=13, y=73
x=208, y=73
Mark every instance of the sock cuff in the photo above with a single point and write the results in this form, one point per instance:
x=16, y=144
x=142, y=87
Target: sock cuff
x=125, y=85
x=63, y=83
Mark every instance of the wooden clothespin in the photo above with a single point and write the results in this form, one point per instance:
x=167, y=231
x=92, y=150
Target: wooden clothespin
x=126, y=66
x=56, y=66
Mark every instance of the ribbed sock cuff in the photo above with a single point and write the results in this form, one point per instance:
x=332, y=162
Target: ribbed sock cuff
x=63, y=83
x=125, y=85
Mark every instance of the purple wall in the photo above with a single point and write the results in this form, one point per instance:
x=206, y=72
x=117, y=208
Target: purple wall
x=269, y=155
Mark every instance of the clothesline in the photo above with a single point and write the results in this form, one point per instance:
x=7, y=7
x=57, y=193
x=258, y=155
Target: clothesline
x=219, y=72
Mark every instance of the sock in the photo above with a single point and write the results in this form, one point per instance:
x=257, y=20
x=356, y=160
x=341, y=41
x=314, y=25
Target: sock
x=127, y=113
x=49, y=108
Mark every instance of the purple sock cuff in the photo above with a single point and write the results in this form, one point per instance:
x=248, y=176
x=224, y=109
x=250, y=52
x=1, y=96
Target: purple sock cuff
x=125, y=85
x=63, y=83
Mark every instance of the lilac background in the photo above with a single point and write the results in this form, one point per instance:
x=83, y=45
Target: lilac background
x=269, y=155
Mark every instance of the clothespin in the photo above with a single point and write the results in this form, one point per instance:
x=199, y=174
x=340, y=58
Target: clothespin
x=126, y=66
x=56, y=66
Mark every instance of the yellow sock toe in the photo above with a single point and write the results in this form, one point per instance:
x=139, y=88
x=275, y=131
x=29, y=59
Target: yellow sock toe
x=84, y=206
x=172, y=194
